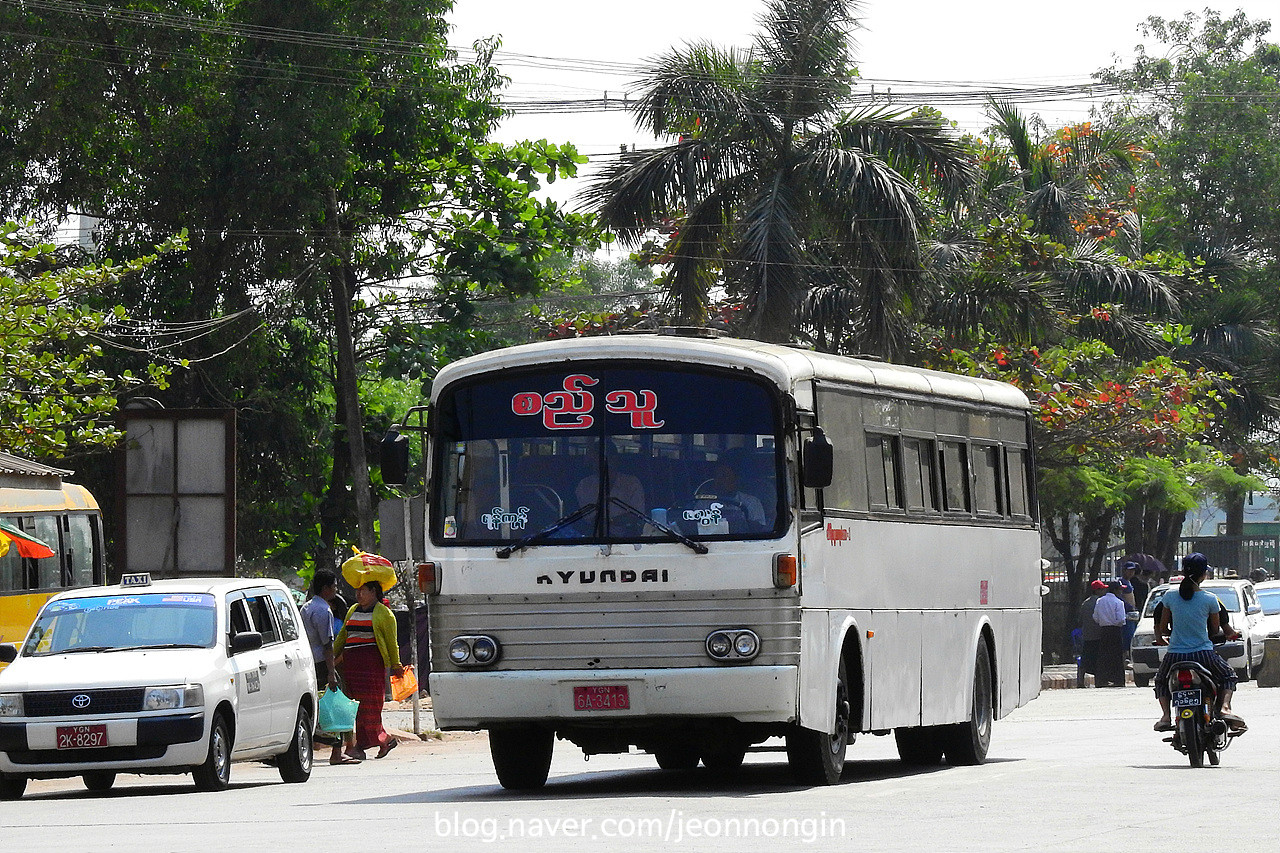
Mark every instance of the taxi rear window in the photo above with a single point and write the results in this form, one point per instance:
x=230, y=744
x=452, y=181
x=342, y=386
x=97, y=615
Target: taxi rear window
x=122, y=622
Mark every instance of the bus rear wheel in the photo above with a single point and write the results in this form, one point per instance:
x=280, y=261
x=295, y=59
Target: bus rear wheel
x=817, y=758
x=967, y=743
x=521, y=756
x=919, y=745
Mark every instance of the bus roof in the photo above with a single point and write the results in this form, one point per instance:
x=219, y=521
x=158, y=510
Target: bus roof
x=783, y=365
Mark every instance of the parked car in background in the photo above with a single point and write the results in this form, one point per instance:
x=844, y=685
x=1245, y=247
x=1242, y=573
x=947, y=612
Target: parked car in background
x=1269, y=597
x=1246, y=615
x=180, y=676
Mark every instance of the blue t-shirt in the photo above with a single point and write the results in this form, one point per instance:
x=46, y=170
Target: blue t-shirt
x=1190, y=631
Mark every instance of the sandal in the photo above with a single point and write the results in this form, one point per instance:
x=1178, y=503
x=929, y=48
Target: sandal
x=355, y=754
x=342, y=759
x=387, y=747
x=1163, y=726
x=1236, y=724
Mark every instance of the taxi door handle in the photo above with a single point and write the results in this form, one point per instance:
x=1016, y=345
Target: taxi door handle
x=288, y=662
x=262, y=667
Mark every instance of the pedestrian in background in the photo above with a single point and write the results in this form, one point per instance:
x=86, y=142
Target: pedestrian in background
x=1089, y=630
x=317, y=619
x=366, y=648
x=1110, y=614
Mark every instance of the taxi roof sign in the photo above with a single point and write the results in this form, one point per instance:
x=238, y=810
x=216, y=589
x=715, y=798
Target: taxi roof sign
x=136, y=579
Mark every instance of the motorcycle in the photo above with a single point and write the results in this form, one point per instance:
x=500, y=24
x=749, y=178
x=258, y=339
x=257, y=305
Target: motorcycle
x=1199, y=729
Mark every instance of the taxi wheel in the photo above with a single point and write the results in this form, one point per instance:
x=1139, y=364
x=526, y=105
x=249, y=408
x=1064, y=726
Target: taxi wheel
x=99, y=780
x=295, y=765
x=215, y=773
x=11, y=787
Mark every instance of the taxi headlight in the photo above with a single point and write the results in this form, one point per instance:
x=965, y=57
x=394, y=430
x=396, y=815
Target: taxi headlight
x=11, y=705
x=171, y=698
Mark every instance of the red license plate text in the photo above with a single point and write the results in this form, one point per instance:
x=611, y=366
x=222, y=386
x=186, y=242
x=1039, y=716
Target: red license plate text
x=82, y=737
x=605, y=697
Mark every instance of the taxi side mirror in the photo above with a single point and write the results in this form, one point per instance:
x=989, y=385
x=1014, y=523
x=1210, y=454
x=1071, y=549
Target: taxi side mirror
x=246, y=641
x=395, y=458
x=8, y=653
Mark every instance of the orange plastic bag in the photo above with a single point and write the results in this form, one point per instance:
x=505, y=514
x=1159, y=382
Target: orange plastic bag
x=404, y=686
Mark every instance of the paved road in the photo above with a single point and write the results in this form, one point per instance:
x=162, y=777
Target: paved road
x=1077, y=770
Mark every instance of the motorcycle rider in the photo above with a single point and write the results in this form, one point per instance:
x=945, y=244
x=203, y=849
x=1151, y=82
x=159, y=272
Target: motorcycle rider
x=1193, y=613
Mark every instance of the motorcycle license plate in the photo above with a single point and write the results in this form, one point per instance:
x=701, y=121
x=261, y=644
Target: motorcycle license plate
x=1186, y=698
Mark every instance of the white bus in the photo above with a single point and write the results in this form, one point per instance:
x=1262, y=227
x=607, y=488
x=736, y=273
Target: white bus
x=690, y=545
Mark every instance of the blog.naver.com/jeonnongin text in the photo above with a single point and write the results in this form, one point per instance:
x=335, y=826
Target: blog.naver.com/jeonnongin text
x=674, y=828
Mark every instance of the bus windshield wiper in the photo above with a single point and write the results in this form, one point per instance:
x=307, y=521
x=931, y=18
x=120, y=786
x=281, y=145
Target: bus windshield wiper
x=532, y=538
x=698, y=547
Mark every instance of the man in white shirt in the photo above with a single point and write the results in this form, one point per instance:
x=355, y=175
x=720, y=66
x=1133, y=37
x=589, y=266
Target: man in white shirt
x=1110, y=614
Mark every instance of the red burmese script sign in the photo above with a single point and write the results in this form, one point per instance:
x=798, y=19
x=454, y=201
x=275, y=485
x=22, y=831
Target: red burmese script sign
x=572, y=408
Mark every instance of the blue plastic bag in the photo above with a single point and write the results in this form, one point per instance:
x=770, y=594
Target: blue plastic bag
x=336, y=712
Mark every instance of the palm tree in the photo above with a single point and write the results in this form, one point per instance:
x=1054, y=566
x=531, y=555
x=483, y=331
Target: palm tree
x=1069, y=191
x=771, y=187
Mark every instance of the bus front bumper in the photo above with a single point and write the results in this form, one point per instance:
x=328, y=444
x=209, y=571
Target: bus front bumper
x=749, y=694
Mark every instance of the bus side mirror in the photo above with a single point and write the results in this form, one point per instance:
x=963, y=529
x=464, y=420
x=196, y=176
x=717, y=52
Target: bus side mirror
x=395, y=458
x=817, y=461
x=8, y=653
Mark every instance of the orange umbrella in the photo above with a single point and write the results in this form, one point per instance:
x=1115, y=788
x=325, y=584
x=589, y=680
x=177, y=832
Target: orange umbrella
x=28, y=546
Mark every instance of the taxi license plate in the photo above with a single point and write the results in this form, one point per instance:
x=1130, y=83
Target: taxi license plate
x=1186, y=698
x=602, y=697
x=82, y=737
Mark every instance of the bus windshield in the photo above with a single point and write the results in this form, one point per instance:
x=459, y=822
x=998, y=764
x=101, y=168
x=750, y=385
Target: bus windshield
x=606, y=453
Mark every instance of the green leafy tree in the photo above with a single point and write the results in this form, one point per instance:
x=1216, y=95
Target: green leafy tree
x=769, y=188
x=1209, y=95
x=332, y=164
x=55, y=390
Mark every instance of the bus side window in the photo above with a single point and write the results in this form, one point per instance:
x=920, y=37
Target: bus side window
x=1016, y=460
x=955, y=476
x=49, y=569
x=883, y=475
x=79, y=545
x=919, y=478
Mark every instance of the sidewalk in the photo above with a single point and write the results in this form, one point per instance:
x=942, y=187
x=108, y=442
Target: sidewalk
x=1063, y=677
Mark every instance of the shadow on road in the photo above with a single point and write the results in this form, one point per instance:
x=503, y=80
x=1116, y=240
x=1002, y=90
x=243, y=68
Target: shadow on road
x=751, y=778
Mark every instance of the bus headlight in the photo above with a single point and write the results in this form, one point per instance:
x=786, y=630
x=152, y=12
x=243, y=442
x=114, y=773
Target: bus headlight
x=172, y=698
x=11, y=705
x=733, y=644
x=474, y=650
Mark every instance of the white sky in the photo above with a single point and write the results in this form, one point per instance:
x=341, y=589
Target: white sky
x=994, y=41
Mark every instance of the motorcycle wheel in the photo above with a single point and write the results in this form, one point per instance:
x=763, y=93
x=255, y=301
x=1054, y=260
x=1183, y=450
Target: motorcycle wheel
x=1189, y=734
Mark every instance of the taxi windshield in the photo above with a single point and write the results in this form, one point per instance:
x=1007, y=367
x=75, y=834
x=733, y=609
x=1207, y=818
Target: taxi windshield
x=123, y=621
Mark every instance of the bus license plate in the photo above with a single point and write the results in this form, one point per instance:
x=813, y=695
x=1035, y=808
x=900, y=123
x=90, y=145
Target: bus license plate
x=82, y=737
x=1186, y=698
x=605, y=697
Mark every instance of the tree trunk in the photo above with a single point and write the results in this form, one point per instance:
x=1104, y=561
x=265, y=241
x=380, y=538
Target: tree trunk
x=342, y=283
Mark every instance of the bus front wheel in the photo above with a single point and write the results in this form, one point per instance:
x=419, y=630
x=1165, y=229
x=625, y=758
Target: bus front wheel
x=521, y=756
x=817, y=758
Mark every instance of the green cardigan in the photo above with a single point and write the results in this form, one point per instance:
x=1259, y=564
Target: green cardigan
x=384, y=633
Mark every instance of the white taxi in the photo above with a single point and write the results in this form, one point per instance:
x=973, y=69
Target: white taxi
x=180, y=676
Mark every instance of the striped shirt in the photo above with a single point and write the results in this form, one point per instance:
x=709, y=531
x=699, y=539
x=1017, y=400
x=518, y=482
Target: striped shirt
x=360, y=629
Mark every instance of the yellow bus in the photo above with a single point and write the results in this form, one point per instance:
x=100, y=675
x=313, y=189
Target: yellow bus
x=35, y=500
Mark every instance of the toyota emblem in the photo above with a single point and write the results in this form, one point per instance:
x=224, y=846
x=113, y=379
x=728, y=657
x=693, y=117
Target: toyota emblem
x=81, y=700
